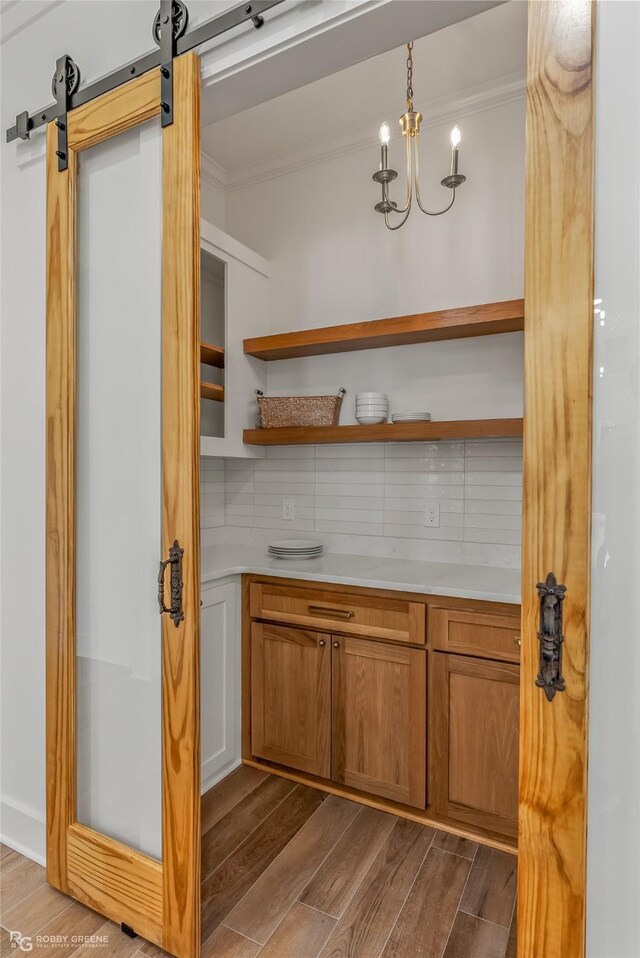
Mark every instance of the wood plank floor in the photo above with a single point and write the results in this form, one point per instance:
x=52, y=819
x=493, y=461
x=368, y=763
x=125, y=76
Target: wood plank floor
x=290, y=872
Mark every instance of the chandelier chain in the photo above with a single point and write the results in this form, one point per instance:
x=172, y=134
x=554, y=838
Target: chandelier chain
x=410, y=76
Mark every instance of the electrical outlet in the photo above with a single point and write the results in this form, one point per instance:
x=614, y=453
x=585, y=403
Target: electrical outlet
x=288, y=509
x=432, y=514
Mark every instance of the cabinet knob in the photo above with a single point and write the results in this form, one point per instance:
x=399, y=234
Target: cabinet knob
x=322, y=643
x=517, y=639
x=336, y=645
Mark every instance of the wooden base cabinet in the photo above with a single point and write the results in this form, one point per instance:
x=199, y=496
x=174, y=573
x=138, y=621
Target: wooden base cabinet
x=379, y=719
x=291, y=697
x=343, y=708
x=474, y=708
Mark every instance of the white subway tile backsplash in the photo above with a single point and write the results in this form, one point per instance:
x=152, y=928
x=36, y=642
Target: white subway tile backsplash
x=275, y=499
x=475, y=521
x=420, y=450
x=349, y=515
x=425, y=492
x=284, y=488
x=350, y=478
x=370, y=498
x=269, y=466
x=493, y=507
x=349, y=465
x=494, y=492
x=368, y=450
x=360, y=528
x=424, y=478
x=499, y=447
x=354, y=489
x=424, y=464
x=493, y=478
x=290, y=452
x=349, y=502
x=496, y=464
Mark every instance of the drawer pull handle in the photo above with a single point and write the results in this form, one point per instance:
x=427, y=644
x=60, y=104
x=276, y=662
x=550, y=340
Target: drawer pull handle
x=336, y=645
x=330, y=613
x=517, y=639
x=322, y=643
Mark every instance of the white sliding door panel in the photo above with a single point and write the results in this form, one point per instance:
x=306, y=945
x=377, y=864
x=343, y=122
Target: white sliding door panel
x=118, y=475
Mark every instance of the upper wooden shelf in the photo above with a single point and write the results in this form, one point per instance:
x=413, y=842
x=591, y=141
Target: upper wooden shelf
x=484, y=320
x=211, y=391
x=212, y=355
x=386, y=432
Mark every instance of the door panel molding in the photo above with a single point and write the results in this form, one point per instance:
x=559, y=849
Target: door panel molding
x=557, y=471
x=160, y=900
x=114, y=879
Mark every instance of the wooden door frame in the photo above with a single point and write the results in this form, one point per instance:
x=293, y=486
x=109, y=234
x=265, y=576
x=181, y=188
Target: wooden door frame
x=557, y=471
x=159, y=900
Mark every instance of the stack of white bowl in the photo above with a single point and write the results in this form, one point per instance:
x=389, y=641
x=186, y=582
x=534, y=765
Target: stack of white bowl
x=372, y=408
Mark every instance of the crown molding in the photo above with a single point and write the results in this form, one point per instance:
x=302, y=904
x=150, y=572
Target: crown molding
x=446, y=109
x=213, y=172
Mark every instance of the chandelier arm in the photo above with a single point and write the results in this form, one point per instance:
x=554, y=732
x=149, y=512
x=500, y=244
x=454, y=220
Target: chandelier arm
x=418, y=200
x=437, y=212
x=402, y=221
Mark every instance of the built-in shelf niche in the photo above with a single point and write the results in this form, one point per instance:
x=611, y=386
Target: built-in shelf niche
x=213, y=307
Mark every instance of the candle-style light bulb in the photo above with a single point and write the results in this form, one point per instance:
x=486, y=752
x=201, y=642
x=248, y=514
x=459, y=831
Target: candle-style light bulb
x=455, y=137
x=384, y=134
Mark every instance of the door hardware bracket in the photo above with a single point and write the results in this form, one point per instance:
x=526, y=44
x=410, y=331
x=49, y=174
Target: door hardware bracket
x=550, y=636
x=65, y=82
x=170, y=22
x=175, y=611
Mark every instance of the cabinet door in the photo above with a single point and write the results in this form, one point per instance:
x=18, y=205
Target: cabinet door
x=290, y=697
x=219, y=683
x=474, y=707
x=379, y=719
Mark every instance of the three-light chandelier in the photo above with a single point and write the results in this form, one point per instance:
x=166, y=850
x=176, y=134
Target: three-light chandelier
x=410, y=124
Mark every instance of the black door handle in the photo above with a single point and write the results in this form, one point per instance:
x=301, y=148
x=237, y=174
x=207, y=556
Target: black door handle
x=175, y=611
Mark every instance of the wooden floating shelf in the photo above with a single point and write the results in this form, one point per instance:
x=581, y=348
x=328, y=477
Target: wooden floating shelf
x=211, y=391
x=386, y=432
x=484, y=320
x=212, y=355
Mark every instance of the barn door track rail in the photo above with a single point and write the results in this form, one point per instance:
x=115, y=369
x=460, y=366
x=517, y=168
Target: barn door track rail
x=170, y=44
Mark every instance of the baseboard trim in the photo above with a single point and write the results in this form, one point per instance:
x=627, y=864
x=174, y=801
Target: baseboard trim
x=23, y=829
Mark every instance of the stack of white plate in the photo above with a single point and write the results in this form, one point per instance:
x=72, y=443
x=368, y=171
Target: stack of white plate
x=372, y=408
x=296, y=549
x=411, y=417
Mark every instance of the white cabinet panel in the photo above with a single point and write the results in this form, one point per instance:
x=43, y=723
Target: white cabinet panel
x=220, y=681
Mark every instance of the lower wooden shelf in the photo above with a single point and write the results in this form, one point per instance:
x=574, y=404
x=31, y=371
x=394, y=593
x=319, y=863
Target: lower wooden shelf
x=386, y=432
x=211, y=391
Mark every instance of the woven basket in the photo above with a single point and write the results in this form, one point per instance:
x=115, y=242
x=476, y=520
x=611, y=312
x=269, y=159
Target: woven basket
x=279, y=411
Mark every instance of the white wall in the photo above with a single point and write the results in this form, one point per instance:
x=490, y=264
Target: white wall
x=333, y=261
x=613, y=849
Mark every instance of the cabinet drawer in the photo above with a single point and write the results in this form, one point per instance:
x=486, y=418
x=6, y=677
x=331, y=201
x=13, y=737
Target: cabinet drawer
x=396, y=620
x=487, y=634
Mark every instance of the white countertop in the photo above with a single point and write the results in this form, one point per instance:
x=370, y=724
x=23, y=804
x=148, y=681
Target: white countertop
x=370, y=572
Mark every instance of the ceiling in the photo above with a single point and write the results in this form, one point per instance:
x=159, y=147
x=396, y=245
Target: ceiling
x=459, y=61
